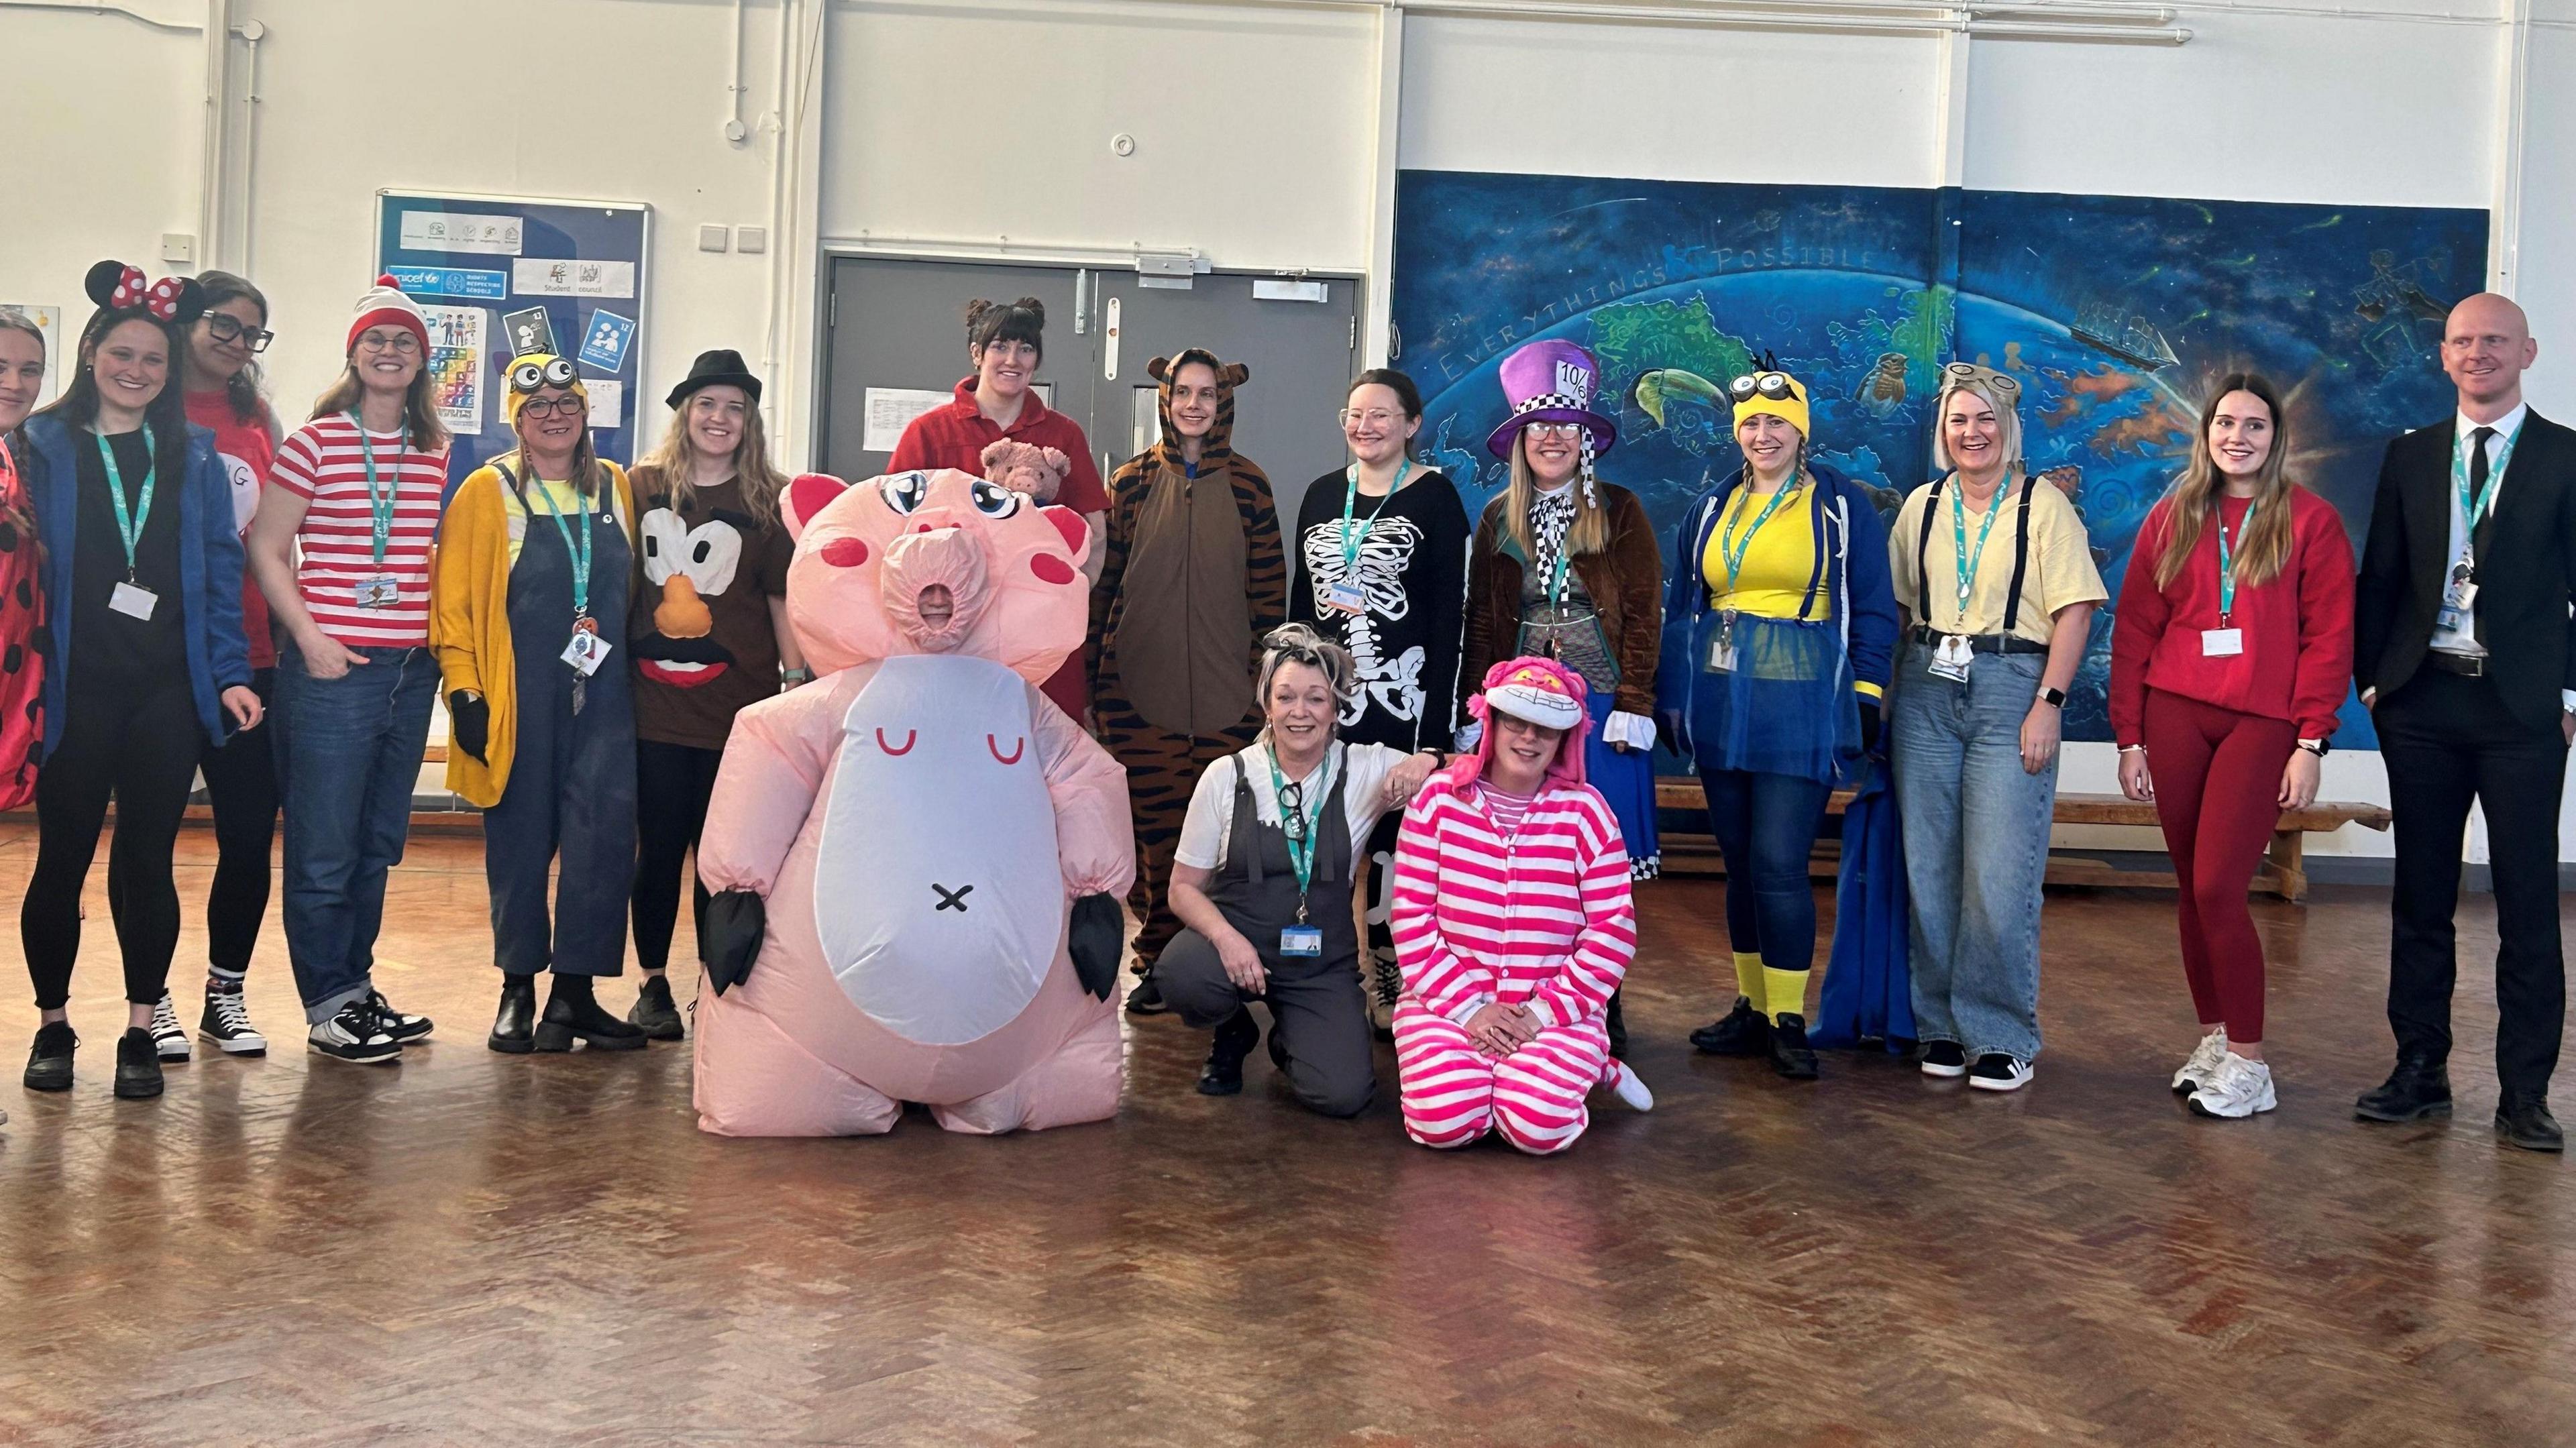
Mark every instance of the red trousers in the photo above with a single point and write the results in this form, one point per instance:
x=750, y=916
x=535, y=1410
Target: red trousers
x=2217, y=775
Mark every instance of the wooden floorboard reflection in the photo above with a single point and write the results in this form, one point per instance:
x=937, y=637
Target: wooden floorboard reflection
x=482, y=1249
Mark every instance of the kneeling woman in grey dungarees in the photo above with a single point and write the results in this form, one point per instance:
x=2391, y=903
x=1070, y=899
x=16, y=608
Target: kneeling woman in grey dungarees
x=1262, y=881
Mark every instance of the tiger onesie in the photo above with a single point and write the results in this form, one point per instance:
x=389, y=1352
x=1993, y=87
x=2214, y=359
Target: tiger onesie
x=1192, y=576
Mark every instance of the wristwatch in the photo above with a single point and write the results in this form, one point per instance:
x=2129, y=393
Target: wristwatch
x=2055, y=698
x=2318, y=747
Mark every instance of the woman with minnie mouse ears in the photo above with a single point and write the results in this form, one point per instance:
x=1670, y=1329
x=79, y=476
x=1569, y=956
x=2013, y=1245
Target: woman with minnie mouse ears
x=149, y=663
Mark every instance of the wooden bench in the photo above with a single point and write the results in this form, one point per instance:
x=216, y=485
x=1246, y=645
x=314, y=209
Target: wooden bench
x=2283, y=872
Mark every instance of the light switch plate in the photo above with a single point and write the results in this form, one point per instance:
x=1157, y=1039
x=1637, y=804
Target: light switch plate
x=712, y=237
x=751, y=239
x=178, y=248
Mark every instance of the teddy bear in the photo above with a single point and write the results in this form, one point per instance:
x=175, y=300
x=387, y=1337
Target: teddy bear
x=1025, y=467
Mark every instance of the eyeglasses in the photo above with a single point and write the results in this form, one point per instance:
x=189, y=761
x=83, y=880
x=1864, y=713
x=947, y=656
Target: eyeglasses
x=1971, y=372
x=401, y=342
x=1553, y=429
x=564, y=406
x=1773, y=385
x=232, y=329
x=1352, y=417
x=1292, y=810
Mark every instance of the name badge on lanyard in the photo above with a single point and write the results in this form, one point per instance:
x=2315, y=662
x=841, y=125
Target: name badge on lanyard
x=2458, y=598
x=380, y=590
x=1305, y=940
x=1951, y=658
x=130, y=597
x=2227, y=640
x=1345, y=593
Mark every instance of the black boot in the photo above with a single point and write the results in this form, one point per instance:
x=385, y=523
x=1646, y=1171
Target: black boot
x=138, y=1066
x=514, y=1028
x=1789, y=1053
x=49, y=1061
x=1617, y=1026
x=572, y=1013
x=654, y=1014
x=2419, y=1087
x=1147, y=998
x=2527, y=1124
x=1235, y=1038
x=1742, y=1031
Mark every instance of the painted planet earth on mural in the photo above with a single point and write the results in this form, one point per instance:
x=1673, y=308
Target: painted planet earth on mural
x=2117, y=314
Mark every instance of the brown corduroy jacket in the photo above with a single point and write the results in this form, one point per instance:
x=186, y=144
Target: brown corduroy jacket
x=1625, y=582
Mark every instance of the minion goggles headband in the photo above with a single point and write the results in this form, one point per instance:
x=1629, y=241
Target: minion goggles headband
x=531, y=376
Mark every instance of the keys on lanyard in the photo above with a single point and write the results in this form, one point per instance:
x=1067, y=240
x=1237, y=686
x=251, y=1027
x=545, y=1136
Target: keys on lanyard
x=2227, y=641
x=1345, y=593
x=379, y=589
x=1954, y=655
x=1721, y=654
x=1300, y=824
x=587, y=650
x=130, y=597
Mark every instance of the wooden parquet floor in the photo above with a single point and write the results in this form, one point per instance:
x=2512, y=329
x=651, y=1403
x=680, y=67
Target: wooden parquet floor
x=477, y=1249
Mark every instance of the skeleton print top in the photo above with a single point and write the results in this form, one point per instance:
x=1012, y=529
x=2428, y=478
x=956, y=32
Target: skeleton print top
x=1411, y=562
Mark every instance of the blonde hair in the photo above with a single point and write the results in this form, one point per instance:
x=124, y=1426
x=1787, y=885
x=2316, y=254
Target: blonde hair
x=2192, y=502
x=2007, y=426
x=668, y=468
x=1590, y=530
x=420, y=414
x=1299, y=643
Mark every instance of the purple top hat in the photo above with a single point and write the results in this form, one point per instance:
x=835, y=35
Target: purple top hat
x=1551, y=381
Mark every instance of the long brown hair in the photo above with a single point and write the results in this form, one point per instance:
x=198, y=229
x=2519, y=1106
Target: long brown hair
x=420, y=414
x=2192, y=502
x=668, y=467
x=1590, y=531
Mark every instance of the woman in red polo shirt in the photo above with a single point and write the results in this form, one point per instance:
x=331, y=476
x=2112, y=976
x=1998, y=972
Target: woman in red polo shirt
x=2230, y=654
x=1004, y=343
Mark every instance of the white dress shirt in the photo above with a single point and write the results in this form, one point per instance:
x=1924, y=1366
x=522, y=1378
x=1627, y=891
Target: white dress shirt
x=2463, y=640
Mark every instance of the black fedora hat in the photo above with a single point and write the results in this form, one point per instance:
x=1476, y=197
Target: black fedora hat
x=721, y=366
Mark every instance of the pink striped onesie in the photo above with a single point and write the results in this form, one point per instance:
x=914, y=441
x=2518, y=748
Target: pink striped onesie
x=1539, y=915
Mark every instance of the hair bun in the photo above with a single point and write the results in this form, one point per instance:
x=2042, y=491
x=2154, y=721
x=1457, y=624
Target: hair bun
x=1033, y=307
x=975, y=311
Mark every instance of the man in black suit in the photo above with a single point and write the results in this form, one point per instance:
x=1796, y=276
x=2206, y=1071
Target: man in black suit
x=2463, y=652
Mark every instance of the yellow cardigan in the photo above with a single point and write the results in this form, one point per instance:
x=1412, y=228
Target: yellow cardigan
x=469, y=621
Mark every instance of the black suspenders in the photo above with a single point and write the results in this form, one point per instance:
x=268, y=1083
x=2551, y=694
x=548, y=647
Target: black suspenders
x=1923, y=552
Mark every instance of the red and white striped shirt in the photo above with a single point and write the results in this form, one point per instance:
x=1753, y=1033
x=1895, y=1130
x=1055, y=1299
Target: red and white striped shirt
x=1540, y=913
x=322, y=463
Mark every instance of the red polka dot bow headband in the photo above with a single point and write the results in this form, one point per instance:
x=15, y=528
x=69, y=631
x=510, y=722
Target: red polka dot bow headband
x=117, y=287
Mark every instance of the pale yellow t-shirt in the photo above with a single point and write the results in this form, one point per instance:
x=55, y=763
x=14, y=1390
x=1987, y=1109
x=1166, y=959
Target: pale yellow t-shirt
x=2060, y=571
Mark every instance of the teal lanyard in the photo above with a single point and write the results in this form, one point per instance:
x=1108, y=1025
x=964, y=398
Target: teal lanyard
x=382, y=503
x=130, y=526
x=1733, y=557
x=1968, y=563
x=2227, y=564
x=2475, y=510
x=1350, y=503
x=1301, y=840
x=580, y=556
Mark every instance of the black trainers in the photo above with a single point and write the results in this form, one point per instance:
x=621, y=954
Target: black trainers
x=653, y=1012
x=1790, y=1055
x=49, y=1061
x=138, y=1065
x=358, y=1034
x=1944, y=1060
x=1742, y=1031
x=1996, y=1071
x=405, y=1029
x=1146, y=999
x=226, y=1024
x=1235, y=1038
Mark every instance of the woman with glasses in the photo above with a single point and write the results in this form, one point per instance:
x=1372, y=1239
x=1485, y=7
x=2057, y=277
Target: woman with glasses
x=342, y=547
x=1779, y=626
x=1262, y=883
x=527, y=614
x=1996, y=577
x=1381, y=569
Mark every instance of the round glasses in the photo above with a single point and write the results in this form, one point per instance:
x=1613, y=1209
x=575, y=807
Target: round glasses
x=229, y=329
x=1971, y=372
x=565, y=406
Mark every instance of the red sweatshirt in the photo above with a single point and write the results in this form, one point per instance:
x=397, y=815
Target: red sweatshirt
x=955, y=436
x=250, y=445
x=2297, y=659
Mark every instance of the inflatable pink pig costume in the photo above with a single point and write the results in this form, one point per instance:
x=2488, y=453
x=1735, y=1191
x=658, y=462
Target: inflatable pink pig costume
x=918, y=857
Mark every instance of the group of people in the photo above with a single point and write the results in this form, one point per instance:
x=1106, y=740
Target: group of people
x=1403, y=788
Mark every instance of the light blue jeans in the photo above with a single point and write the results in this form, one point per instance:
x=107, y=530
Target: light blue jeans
x=1976, y=848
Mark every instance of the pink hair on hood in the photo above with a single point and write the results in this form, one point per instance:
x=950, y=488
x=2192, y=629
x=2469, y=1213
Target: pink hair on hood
x=1566, y=768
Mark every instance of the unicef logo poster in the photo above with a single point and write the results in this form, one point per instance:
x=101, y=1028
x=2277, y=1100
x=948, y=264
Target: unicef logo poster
x=2117, y=313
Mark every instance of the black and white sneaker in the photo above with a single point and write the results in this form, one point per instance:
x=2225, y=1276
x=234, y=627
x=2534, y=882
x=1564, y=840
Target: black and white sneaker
x=406, y=1029
x=1944, y=1059
x=1996, y=1071
x=356, y=1034
x=226, y=1024
x=169, y=1038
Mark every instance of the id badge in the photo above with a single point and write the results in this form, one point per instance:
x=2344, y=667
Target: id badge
x=2221, y=643
x=586, y=652
x=133, y=600
x=1347, y=596
x=1952, y=657
x=379, y=592
x=1721, y=655
x=1305, y=940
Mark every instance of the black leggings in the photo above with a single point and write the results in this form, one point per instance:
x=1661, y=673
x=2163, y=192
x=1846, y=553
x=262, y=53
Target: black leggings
x=241, y=784
x=141, y=747
x=672, y=784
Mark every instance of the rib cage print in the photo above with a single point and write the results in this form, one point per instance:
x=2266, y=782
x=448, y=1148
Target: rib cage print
x=1385, y=551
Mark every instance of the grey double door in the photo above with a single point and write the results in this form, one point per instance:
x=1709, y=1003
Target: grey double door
x=897, y=338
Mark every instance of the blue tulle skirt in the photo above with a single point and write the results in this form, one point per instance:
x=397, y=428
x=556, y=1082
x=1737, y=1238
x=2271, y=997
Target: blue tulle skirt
x=1627, y=781
x=1785, y=708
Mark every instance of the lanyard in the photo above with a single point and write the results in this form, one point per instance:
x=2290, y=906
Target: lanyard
x=382, y=504
x=129, y=527
x=1966, y=562
x=2476, y=510
x=580, y=556
x=1733, y=557
x=1301, y=840
x=2227, y=563
x=1350, y=502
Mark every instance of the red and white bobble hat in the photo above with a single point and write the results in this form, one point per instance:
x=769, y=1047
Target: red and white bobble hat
x=384, y=305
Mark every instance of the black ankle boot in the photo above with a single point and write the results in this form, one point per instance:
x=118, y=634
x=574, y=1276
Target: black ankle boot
x=654, y=1014
x=49, y=1061
x=138, y=1065
x=572, y=1013
x=2418, y=1088
x=514, y=1027
x=1790, y=1055
x=1742, y=1031
x=1223, y=1074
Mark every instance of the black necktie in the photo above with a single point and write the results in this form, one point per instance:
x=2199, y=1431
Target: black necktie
x=2478, y=488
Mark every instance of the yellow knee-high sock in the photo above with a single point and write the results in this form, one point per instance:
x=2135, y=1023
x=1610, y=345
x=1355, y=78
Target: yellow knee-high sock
x=1748, y=978
x=1784, y=993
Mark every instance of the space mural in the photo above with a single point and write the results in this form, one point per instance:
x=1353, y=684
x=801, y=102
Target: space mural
x=2116, y=312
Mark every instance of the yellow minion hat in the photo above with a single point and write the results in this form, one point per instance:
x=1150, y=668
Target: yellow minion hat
x=1773, y=392
x=529, y=374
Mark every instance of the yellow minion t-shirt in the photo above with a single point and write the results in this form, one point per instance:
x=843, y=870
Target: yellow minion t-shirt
x=1779, y=559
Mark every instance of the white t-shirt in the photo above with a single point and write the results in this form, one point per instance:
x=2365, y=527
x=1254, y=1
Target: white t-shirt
x=1361, y=770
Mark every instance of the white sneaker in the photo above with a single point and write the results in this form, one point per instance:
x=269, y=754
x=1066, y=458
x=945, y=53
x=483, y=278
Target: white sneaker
x=2239, y=1088
x=169, y=1038
x=226, y=1023
x=1625, y=1084
x=2203, y=1063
